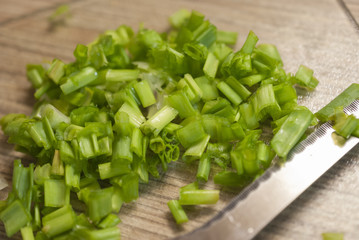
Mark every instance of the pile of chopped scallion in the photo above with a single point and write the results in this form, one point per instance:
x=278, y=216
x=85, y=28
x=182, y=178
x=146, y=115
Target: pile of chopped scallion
x=132, y=103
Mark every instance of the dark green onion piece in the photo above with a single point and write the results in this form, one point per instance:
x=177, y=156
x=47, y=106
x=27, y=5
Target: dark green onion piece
x=195, y=151
x=198, y=197
x=177, y=211
x=230, y=179
x=109, y=170
x=136, y=142
x=342, y=100
x=181, y=103
x=157, y=144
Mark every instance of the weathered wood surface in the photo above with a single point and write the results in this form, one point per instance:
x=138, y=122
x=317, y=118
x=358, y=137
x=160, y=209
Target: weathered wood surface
x=318, y=34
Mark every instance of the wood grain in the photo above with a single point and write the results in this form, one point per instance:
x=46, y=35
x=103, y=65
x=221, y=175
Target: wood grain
x=315, y=33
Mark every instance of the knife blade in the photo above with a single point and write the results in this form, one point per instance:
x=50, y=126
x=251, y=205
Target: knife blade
x=267, y=196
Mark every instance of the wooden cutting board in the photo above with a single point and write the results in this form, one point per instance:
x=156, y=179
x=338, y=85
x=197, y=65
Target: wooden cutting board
x=319, y=34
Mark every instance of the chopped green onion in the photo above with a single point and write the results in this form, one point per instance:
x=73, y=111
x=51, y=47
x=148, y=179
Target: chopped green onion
x=177, y=211
x=56, y=193
x=100, y=203
x=343, y=99
x=56, y=71
x=291, y=131
x=181, y=103
x=191, y=134
x=195, y=151
x=136, y=142
x=14, y=217
x=198, y=197
x=250, y=43
x=230, y=179
x=27, y=233
x=227, y=37
x=145, y=93
x=157, y=144
x=204, y=168
x=179, y=18
x=229, y=93
x=304, y=77
x=110, y=220
x=208, y=88
x=158, y=121
x=211, y=65
x=79, y=80
x=59, y=221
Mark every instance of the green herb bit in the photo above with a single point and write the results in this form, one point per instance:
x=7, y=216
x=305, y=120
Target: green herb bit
x=145, y=93
x=100, y=203
x=14, y=217
x=291, y=131
x=190, y=134
x=198, y=197
x=22, y=183
x=181, y=103
x=208, y=88
x=27, y=233
x=304, y=77
x=159, y=120
x=179, y=18
x=195, y=151
x=191, y=186
x=342, y=100
x=35, y=78
x=157, y=144
x=78, y=80
x=56, y=193
x=56, y=71
x=177, y=211
x=250, y=43
x=227, y=37
x=59, y=221
x=229, y=93
x=211, y=65
x=230, y=179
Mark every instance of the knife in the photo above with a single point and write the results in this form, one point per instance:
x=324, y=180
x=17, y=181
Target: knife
x=267, y=196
